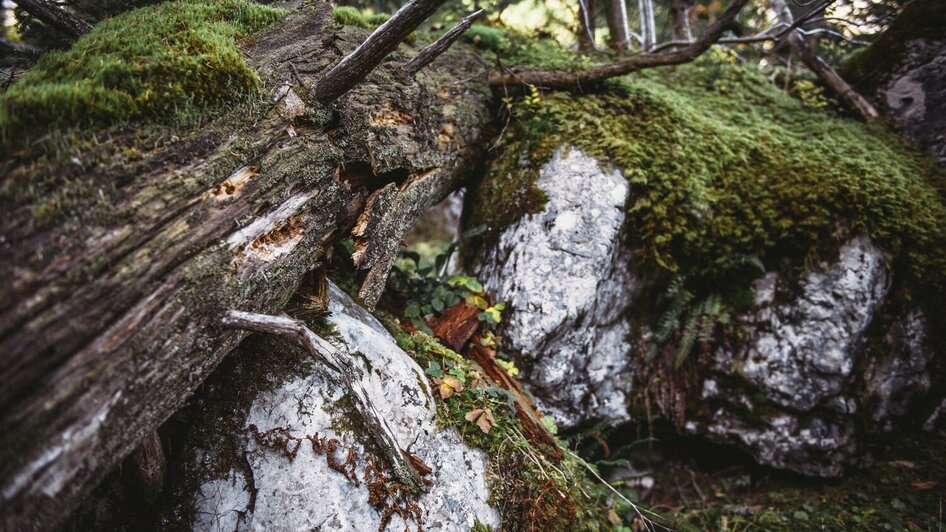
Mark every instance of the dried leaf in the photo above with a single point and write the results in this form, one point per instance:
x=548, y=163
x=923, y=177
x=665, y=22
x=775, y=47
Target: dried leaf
x=484, y=419
x=925, y=484
x=449, y=385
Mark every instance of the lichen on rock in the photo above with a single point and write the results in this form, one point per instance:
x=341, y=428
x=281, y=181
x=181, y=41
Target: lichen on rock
x=303, y=462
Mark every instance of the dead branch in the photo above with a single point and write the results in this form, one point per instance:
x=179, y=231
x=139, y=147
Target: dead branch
x=56, y=17
x=821, y=68
x=384, y=40
x=433, y=50
x=340, y=363
x=558, y=79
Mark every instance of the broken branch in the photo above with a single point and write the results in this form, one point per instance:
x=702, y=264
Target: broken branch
x=821, y=68
x=339, y=362
x=562, y=80
x=384, y=40
x=56, y=17
x=433, y=50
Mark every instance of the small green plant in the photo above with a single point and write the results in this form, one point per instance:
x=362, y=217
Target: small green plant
x=811, y=95
x=428, y=291
x=686, y=322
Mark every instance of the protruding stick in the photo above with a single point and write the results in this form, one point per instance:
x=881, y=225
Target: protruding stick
x=433, y=50
x=320, y=348
x=56, y=17
x=384, y=40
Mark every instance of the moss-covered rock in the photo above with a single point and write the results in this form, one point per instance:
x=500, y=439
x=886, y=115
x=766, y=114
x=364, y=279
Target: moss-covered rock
x=723, y=165
x=728, y=178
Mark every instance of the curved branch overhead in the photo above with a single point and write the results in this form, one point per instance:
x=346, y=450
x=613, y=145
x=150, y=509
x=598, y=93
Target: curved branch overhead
x=563, y=80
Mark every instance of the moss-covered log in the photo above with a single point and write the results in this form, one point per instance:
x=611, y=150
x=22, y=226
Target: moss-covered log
x=122, y=247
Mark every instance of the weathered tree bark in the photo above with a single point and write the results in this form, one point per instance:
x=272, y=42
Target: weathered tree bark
x=588, y=79
x=376, y=47
x=620, y=39
x=118, y=269
x=586, y=25
x=680, y=20
x=822, y=69
x=56, y=17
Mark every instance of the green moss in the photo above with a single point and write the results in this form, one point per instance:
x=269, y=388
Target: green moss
x=723, y=165
x=377, y=19
x=164, y=59
x=350, y=16
x=531, y=490
x=486, y=37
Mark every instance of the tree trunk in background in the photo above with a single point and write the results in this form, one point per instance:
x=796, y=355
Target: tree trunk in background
x=648, y=26
x=618, y=26
x=117, y=273
x=586, y=25
x=680, y=20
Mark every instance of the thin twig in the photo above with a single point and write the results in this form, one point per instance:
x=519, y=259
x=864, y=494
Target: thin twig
x=433, y=50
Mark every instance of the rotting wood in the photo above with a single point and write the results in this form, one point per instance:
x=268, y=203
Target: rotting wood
x=438, y=47
x=148, y=469
x=456, y=328
x=456, y=325
x=526, y=410
x=118, y=270
x=338, y=362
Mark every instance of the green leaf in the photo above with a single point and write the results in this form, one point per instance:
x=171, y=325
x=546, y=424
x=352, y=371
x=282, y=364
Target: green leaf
x=412, y=311
x=434, y=370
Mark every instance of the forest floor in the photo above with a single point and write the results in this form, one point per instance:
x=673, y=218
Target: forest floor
x=699, y=486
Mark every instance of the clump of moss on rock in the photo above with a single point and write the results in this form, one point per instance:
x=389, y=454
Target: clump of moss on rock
x=164, y=59
x=531, y=490
x=724, y=165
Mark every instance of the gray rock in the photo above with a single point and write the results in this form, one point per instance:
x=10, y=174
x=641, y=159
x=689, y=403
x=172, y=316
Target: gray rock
x=793, y=390
x=568, y=282
x=915, y=95
x=901, y=374
x=802, y=353
x=305, y=493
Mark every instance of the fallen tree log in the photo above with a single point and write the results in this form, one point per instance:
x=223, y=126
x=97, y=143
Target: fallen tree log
x=119, y=263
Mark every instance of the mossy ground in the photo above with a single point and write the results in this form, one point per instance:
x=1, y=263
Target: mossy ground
x=168, y=59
